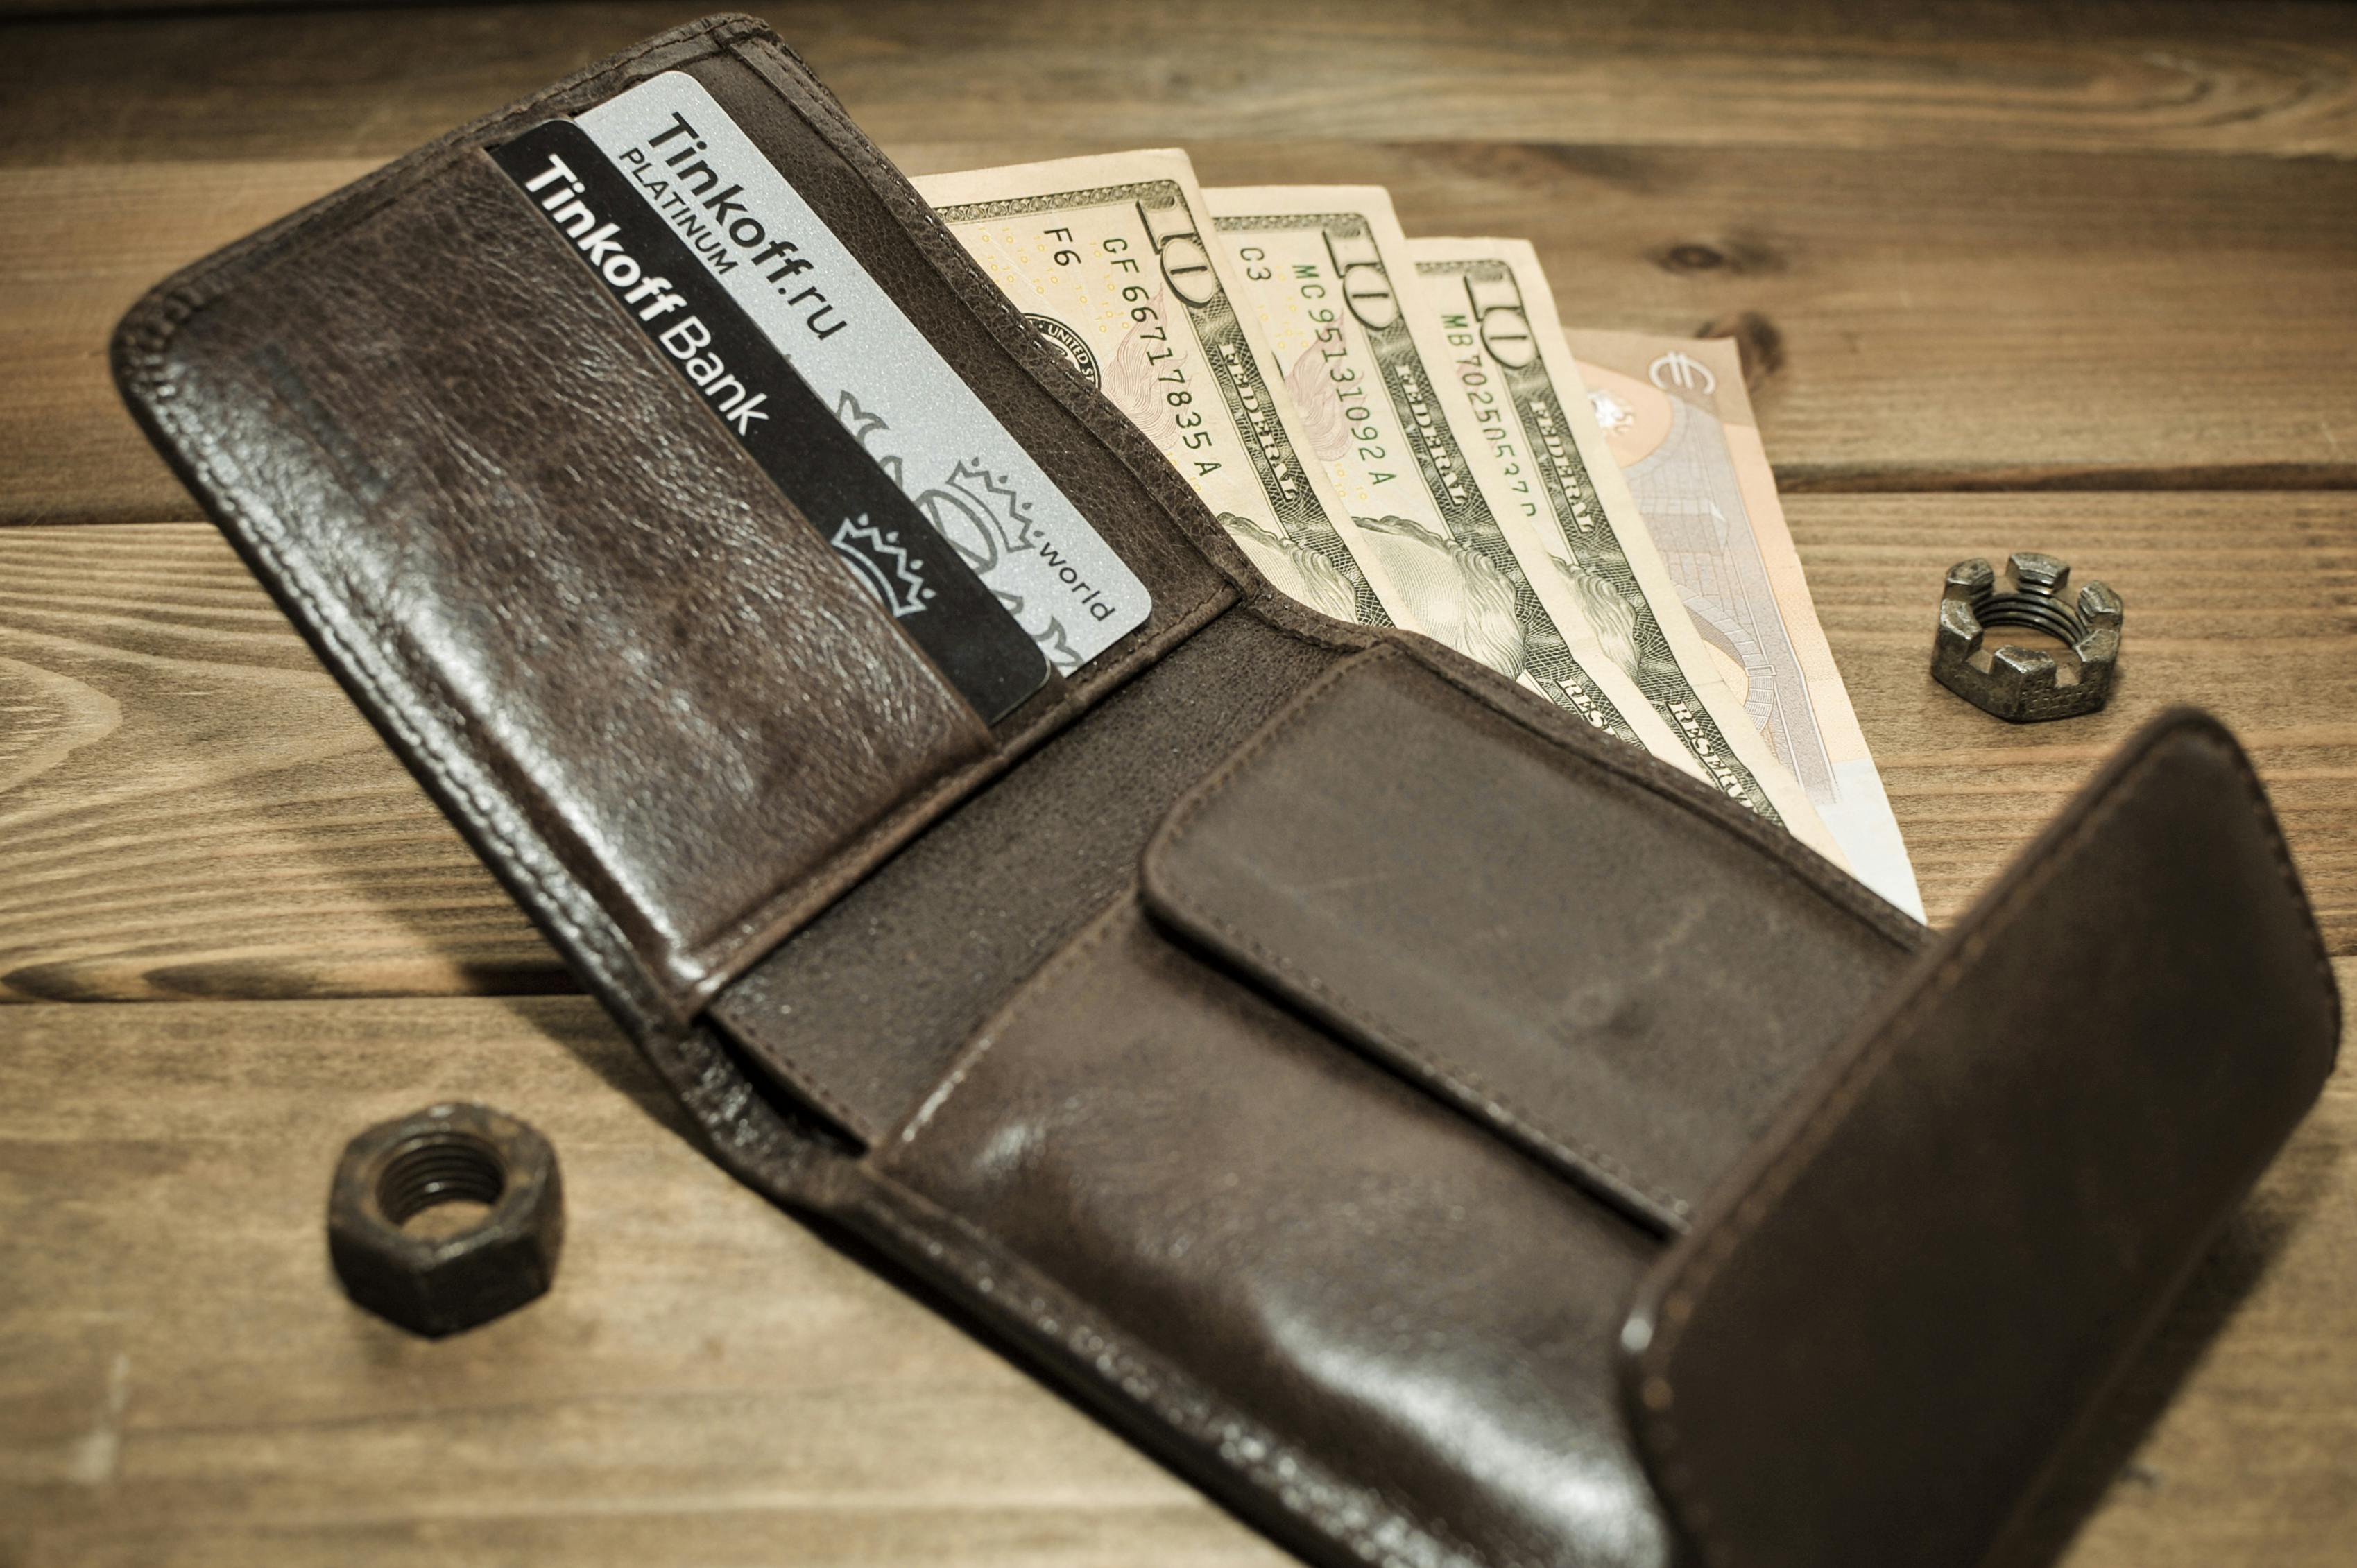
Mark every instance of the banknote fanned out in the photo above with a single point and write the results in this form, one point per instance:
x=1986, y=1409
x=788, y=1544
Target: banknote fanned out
x=1396, y=433
x=1679, y=423
x=1317, y=263
x=1543, y=461
x=1113, y=260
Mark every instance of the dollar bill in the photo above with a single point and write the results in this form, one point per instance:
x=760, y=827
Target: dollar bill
x=1501, y=357
x=1111, y=258
x=1677, y=417
x=1317, y=265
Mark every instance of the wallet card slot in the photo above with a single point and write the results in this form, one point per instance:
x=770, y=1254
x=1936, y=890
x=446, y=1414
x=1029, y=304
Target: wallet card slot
x=1129, y=494
x=1338, y=1258
x=631, y=670
x=661, y=285
x=1582, y=961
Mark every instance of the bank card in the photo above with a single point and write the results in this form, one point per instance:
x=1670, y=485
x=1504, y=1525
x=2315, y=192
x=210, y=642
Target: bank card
x=748, y=238
x=889, y=546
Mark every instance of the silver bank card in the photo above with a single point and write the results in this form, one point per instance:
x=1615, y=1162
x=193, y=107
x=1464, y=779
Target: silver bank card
x=755, y=237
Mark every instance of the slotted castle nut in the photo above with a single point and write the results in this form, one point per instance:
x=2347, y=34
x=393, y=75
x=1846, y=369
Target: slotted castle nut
x=437, y=1285
x=2023, y=685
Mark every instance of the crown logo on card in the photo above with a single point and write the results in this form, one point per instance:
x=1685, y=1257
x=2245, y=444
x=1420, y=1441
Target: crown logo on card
x=885, y=565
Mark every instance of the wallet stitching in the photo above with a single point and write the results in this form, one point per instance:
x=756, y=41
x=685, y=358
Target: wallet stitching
x=808, y=1083
x=352, y=658
x=1451, y=1073
x=1025, y=999
x=158, y=323
x=1686, y=1290
x=1640, y=773
x=565, y=894
x=403, y=707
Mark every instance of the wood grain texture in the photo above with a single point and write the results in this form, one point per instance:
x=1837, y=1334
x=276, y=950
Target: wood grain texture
x=1940, y=320
x=182, y=1383
x=2246, y=604
x=1990, y=246
x=74, y=255
x=2272, y=79
x=190, y=807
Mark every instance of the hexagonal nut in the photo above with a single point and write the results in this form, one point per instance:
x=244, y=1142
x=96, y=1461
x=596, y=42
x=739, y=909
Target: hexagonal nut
x=438, y=1285
x=2022, y=686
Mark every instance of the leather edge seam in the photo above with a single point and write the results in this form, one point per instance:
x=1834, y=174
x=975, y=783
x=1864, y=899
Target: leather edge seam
x=1026, y=995
x=1638, y=769
x=1153, y=1388
x=139, y=348
x=1694, y=1275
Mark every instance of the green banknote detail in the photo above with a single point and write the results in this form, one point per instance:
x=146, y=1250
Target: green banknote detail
x=1597, y=571
x=1296, y=526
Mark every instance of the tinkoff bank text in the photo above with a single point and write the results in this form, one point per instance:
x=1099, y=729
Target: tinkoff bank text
x=683, y=184
x=676, y=197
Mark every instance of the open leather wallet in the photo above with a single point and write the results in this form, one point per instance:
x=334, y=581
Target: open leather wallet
x=1444, y=1134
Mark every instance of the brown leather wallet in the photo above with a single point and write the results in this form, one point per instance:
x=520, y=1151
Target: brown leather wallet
x=1445, y=1134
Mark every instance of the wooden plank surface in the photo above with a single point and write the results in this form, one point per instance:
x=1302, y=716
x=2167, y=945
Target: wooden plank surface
x=1991, y=247
x=188, y=806
x=1984, y=319
x=182, y=1384
x=2272, y=79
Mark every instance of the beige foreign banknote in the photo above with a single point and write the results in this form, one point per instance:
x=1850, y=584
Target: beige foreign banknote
x=1312, y=263
x=1111, y=259
x=1540, y=456
x=1677, y=417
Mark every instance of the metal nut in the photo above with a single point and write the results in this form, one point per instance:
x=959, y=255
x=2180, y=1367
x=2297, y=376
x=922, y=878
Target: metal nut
x=439, y=1285
x=2023, y=685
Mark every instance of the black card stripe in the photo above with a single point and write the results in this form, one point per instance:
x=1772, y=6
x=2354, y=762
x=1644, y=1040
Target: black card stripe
x=877, y=531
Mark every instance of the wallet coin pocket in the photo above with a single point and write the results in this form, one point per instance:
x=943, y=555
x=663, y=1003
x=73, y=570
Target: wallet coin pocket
x=1436, y=1201
x=1340, y=1263
x=1388, y=1084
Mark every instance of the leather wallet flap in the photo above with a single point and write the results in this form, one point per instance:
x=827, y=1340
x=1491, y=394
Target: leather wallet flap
x=677, y=698
x=1887, y=1325
x=1584, y=960
x=625, y=659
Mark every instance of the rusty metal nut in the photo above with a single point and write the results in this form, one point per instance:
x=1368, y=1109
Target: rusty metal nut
x=2023, y=685
x=438, y=1285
